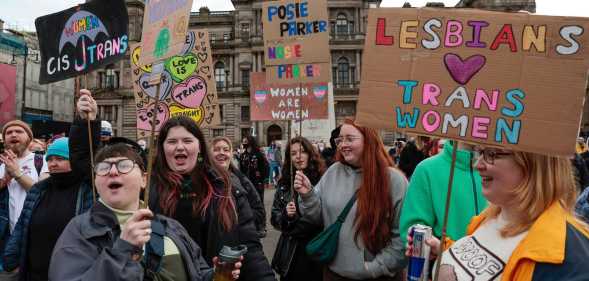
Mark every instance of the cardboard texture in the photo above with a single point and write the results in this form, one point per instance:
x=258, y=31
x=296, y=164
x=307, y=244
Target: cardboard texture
x=296, y=40
x=188, y=86
x=512, y=80
x=7, y=93
x=165, y=24
x=82, y=39
x=298, y=101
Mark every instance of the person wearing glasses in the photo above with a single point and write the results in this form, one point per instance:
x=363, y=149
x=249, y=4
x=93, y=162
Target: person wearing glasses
x=290, y=260
x=190, y=187
x=53, y=202
x=369, y=246
x=425, y=202
x=118, y=239
x=528, y=231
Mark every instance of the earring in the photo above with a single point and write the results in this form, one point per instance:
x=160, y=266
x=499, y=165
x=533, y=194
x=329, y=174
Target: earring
x=200, y=160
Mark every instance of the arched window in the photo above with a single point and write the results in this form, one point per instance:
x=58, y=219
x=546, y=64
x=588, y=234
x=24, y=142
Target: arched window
x=343, y=72
x=220, y=75
x=341, y=24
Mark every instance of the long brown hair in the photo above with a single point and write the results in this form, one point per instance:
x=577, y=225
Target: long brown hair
x=315, y=167
x=375, y=207
x=169, y=183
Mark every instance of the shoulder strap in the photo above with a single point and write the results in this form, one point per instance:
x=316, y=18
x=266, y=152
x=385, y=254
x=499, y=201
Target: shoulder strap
x=346, y=209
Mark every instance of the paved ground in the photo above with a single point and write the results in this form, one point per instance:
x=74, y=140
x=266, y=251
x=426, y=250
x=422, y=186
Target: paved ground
x=271, y=239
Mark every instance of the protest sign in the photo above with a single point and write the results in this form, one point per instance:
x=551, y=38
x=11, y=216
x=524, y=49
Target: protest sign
x=298, y=101
x=7, y=93
x=165, y=24
x=81, y=39
x=296, y=41
x=512, y=80
x=187, y=87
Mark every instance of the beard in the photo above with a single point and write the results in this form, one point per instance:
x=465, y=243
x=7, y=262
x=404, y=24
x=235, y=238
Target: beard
x=18, y=149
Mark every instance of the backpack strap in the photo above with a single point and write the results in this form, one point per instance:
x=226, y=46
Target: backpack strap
x=342, y=216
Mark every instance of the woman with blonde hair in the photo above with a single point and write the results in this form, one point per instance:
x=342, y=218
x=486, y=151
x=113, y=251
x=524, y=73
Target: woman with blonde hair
x=528, y=232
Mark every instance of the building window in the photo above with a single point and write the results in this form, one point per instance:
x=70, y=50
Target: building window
x=218, y=133
x=245, y=79
x=245, y=113
x=343, y=72
x=341, y=24
x=108, y=112
x=220, y=76
x=226, y=37
x=109, y=79
x=212, y=37
x=245, y=30
x=246, y=132
x=345, y=108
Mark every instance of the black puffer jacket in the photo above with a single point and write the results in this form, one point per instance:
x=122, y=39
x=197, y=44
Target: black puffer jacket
x=290, y=260
x=253, y=198
x=255, y=265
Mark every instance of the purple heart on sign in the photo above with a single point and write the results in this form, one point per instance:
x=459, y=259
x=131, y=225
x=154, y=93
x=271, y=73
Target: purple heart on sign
x=463, y=70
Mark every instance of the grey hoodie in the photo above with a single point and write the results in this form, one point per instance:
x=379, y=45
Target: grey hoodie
x=352, y=260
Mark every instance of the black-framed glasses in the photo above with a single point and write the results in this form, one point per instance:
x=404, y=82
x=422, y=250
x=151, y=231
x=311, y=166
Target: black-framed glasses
x=124, y=166
x=346, y=139
x=490, y=154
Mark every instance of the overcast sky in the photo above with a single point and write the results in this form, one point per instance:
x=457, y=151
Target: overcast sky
x=22, y=13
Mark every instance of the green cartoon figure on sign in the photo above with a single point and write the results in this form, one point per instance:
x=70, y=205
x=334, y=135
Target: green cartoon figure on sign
x=162, y=44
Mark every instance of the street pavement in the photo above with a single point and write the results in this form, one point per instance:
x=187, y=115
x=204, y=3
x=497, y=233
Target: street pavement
x=271, y=239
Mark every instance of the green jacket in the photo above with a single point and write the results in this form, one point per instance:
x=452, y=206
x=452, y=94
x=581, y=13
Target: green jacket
x=426, y=195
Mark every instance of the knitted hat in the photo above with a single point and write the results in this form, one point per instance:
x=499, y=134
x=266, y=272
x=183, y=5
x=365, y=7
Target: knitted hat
x=59, y=148
x=105, y=128
x=19, y=123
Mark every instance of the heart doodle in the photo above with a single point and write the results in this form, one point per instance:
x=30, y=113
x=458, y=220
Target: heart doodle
x=260, y=96
x=165, y=85
x=463, y=70
x=320, y=92
x=145, y=116
x=189, y=43
x=182, y=67
x=197, y=114
x=191, y=93
x=135, y=58
x=203, y=57
x=201, y=35
x=205, y=69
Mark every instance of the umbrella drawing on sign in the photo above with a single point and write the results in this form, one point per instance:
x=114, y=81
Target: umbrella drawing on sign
x=260, y=96
x=81, y=23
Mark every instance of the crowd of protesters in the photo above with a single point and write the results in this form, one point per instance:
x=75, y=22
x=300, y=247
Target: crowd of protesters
x=62, y=218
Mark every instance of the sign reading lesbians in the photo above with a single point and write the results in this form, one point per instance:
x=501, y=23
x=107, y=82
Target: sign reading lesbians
x=512, y=80
x=187, y=86
x=296, y=41
x=297, y=101
x=164, y=27
x=81, y=39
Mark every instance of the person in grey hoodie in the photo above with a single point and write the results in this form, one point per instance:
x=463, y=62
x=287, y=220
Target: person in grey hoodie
x=369, y=246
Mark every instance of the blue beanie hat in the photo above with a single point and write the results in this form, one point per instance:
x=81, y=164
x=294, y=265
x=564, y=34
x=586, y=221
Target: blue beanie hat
x=59, y=148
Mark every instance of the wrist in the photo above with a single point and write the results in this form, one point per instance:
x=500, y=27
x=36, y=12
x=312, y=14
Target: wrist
x=17, y=175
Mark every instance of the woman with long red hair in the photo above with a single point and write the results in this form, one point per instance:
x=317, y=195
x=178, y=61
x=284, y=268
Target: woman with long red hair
x=369, y=246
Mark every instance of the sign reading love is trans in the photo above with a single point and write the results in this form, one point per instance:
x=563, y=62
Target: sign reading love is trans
x=188, y=87
x=297, y=101
x=512, y=80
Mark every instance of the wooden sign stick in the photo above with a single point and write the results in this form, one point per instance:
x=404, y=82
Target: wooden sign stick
x=445, y=225
x=90, y=144
x=155, y=80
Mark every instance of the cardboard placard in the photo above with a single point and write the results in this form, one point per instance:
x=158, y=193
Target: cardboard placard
x=187, y=86
x=513, y=80
x=296, y=40
x=7, y=93
x=165, y=23
x=82, y=39
x=299, y=101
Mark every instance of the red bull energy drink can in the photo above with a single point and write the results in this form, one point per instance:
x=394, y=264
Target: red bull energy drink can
x=418, y=269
